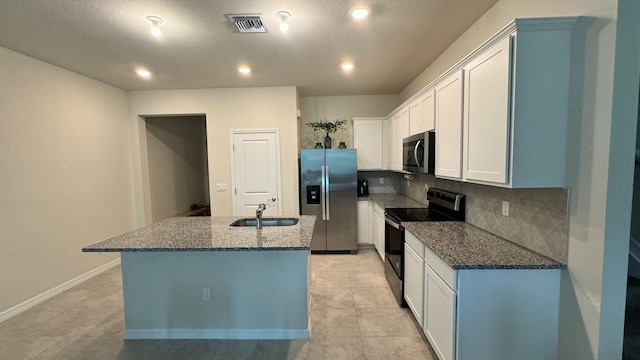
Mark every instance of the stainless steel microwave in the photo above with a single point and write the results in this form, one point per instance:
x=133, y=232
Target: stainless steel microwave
x=419, y=153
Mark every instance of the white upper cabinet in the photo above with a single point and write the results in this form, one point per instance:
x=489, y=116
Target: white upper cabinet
x=501, y=113
x=448, y=95
x=387, y=153
x=422, y=113
x=399, y=131
x=368, y=138
x=486, y=115
x=516, y=105
x=428, y=100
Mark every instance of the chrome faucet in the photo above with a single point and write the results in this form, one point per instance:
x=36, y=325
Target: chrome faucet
x=261, y=208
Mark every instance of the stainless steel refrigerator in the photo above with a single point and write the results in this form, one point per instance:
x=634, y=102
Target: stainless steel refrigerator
x=328, y=189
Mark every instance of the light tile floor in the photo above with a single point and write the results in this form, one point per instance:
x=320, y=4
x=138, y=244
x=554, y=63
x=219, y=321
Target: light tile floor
x=353, y=316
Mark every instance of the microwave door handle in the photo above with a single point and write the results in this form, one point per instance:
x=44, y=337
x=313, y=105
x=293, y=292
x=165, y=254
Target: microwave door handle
x=415, y=153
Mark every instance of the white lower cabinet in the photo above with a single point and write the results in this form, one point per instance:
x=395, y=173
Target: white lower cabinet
x=482, y=314
x=439, y=319
x=413, y=278
x=378, y=230
x=363, y=223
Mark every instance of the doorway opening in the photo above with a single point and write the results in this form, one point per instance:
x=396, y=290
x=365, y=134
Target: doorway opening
x=177, y=165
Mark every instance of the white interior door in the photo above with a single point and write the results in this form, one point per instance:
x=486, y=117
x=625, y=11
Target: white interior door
x=256, y=171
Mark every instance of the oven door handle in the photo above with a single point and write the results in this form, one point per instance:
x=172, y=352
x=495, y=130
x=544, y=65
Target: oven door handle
x=392, y=223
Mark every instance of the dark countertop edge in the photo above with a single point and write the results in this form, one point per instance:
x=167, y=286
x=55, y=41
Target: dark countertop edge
x=194, y=249
x=557, y=266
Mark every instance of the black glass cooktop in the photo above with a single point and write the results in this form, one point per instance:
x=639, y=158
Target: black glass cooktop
x=417, y=214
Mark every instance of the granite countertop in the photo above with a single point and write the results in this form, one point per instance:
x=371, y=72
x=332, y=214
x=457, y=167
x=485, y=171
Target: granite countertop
x=209, y=234
x=395, y=201
x=464, y=246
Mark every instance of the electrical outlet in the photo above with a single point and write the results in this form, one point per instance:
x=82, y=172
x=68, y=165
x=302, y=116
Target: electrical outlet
x=206, y=294
x=381, y=180
x=505, y=208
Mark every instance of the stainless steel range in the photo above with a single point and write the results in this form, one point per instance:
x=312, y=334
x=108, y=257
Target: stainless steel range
x=443, y=206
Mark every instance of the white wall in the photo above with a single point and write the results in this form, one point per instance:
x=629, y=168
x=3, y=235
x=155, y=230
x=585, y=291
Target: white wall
x=319, y=108
x=589, y=327
x=177, y=153
x=225, y=109
x=66, y=177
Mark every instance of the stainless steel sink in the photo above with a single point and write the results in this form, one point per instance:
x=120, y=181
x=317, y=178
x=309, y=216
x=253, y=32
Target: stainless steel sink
x=266, y=222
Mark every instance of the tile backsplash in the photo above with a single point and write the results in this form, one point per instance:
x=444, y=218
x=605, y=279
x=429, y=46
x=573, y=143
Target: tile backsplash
x=382, y=182
x=537, y=217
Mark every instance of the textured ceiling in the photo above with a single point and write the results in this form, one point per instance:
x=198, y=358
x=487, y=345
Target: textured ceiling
x=108, y=39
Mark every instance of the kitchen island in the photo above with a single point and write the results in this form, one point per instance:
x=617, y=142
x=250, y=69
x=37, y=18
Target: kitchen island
x=199, y=278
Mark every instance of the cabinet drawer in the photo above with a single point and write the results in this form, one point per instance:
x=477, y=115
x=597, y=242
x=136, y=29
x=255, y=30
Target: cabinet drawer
x=444, y=271
x=415, y=244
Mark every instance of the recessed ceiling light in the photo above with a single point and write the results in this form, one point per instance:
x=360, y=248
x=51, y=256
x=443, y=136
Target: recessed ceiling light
x=245, y=70
x=143, y=73
x=155, y=25
x=347, y=66
x=359, y=12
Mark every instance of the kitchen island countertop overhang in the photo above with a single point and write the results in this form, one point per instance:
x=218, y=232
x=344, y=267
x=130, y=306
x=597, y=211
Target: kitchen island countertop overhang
x=209, y=234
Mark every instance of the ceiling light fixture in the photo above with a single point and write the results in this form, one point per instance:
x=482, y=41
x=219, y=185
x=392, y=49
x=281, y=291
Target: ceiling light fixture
x=359, y=12
x=245, y=70
x=284, y=16
x=144, y=73
x=347, y=66
x=155, y=25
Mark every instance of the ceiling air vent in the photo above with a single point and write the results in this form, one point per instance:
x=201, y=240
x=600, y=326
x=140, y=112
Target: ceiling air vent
x=248, y=23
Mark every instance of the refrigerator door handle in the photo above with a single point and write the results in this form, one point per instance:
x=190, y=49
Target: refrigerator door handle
x=323, y=194
x=326, y=193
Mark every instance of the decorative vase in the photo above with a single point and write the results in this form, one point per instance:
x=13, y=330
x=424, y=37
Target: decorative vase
x=318, y=145
x=327, y=142
x=342, y=145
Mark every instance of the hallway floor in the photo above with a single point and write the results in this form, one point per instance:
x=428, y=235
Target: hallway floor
x=353, y=316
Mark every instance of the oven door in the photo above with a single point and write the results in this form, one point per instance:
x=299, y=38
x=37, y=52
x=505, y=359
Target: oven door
x=394, y=242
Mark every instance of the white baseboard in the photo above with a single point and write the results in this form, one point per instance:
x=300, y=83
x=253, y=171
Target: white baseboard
x=226, y=334
x=27, y=304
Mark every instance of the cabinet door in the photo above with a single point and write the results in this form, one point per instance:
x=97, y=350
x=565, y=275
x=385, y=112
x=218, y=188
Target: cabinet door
x=486, y=114
x=363, y=222
x=439, y=314
x=379, y=235
x=368, y=139
x=400, y=131
x=395, y=149
x=449, y=127
x=415, y=117
x=428, y=107
x=413, y=282
x=387, y=147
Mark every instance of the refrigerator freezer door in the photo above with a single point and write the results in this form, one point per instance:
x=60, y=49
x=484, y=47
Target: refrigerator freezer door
x=311, y=171
x=342, y=201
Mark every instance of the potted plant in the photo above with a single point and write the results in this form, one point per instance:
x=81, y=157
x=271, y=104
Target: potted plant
x=330, y=127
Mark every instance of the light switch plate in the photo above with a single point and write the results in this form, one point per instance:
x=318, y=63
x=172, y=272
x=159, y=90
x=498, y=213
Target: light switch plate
x=221, y=187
